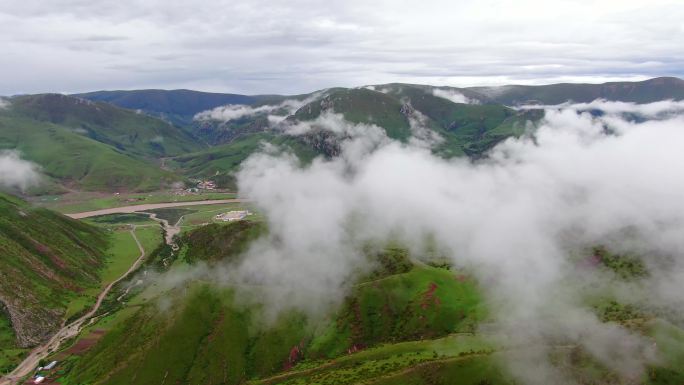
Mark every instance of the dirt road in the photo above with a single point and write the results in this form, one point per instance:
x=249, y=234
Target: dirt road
x=31, y=362
x=151, y=206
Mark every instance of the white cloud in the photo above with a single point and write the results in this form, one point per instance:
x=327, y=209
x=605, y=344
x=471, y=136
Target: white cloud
x=4, y=103
x=648, y=110
x=308, y=45
x=453, y=96
x=516, y=221
x=232, y=112
x=275, y=112
x=16, y=172
x=421, y=134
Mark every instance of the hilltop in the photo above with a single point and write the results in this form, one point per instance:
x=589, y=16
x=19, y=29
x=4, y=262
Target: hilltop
x=177, y=106
x=91, y=146
x=646, y=91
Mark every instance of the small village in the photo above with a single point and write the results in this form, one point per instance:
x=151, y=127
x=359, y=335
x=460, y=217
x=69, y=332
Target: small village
x=200, y=185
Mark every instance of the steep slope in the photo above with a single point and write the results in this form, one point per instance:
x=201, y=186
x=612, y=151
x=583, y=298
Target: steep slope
x=218, y=132
x=361, y=105
x=90, y=146
x=70, y=159
x=402, y=323
x=469, y=129
x=210, y=336
x=45, y=259
x=220, y=162
x=639, y=92
x=127, y=131
x=177, y=106
x=231, y=122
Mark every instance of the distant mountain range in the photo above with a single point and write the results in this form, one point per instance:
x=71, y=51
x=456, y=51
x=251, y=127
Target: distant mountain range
x=187, y=103
x=115, y=140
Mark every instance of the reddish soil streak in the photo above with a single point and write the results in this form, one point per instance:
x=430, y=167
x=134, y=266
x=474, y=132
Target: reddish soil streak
x=86, y=343
x=429, y=297
x=295, y=356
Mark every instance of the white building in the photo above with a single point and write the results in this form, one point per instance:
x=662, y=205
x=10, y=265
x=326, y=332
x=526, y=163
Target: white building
x=231, y=216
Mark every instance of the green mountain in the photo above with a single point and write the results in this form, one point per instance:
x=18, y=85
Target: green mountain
x=646, y=91
x=219, y=163
x=361, y=105
x=100, y=146
x=466, y=129
x=127, y=131
x=176, y=106
x=403, y=323
x=206, y=335
x=45, y=260
x=91, y=146
x=219, y=131
x=469, y=129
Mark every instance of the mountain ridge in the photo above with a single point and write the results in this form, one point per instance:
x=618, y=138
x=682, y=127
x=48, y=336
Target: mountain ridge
x=118, y=97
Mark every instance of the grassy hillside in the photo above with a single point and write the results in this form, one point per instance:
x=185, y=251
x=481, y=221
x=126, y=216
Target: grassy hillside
x=77, y=161
x=360, y=105
x=46, y=259
x=125, y=130
x=217, y=242
x=402, y=323
x=219, y=132
x=468, y=129
x=176, y=106
x=208, y=337
x=86, y=150
x=220, y=162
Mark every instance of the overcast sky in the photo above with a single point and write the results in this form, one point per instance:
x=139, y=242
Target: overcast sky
x=293, y=46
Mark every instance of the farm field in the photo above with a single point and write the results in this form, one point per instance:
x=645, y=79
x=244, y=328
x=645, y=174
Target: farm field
x=123, y=251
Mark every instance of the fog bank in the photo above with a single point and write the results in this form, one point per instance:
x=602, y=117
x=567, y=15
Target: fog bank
x=16, y=172
x=517, y=220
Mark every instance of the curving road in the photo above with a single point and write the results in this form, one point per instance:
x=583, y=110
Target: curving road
x=27, y=366
x=31, y=361
x=150, y=206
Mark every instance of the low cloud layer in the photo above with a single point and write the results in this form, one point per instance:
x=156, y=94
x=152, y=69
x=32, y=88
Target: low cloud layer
x=453, y=96
x=274, y=112
x=516, y=220
x=16, y=172
x=664, y=108
x=233, y=111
